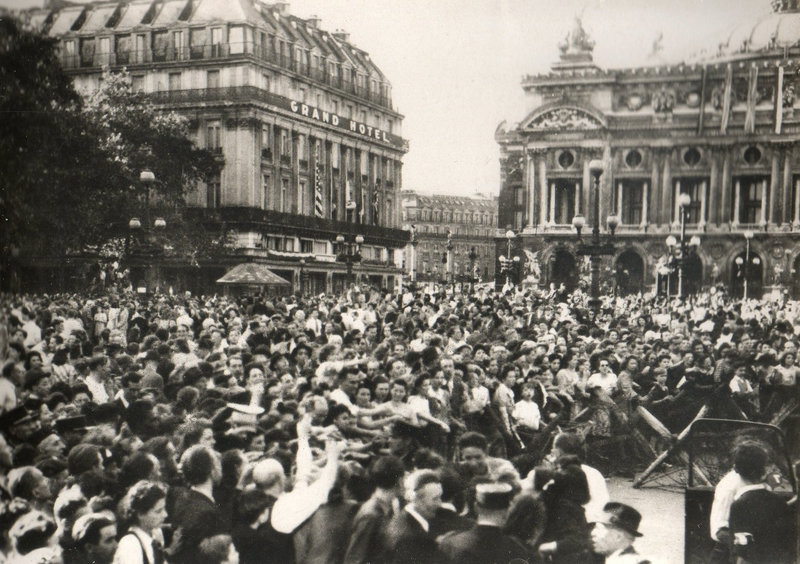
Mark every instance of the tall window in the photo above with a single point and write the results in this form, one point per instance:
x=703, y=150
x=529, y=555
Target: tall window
x=214, y=192
x=284, y=199
x=177, y=43
x=266, y=190
x=563, y=194
x=213, y=136
x=695, y=188
x=632, y=204
x=266, y=138
x=752, y=198
x=301, y=198
x=286, y=146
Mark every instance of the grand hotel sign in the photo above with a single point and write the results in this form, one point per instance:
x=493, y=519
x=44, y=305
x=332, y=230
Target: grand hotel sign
x=329, y=118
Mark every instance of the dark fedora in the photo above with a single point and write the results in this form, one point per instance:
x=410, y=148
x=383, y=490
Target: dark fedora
x=621, y=516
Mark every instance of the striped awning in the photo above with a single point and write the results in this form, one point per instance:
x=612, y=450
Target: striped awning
x=252, y=274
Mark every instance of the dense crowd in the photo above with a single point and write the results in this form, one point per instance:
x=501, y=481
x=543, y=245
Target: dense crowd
x=362, y=427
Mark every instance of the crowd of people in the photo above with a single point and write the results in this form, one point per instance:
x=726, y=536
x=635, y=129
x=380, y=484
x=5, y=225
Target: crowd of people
x=369, y=426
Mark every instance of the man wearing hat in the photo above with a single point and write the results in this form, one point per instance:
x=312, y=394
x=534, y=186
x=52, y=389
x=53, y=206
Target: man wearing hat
x=485, y=542
x=613, y=534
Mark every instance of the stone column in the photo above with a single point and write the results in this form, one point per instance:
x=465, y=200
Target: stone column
x=786, y=211
x=645, y=204
x=542, y=191
x=666, y=190
x=655, y=194
x=530, y=178
x=586, y=186
x=701, y=222
x=725, y=189
x=737, y=202
x=775, y=189
x=714, y=189
x=552, y=207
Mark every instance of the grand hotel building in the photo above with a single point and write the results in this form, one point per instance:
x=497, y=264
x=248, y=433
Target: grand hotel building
x=723, y=130
x=302, y=119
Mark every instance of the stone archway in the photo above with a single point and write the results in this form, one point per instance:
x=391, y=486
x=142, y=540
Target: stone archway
x=630, y=273
x=752, y=270
x=563, y=269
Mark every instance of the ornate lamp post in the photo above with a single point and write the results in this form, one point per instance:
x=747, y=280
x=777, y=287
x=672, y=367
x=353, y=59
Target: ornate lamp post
x=449, y=260
x=748, y=236
x=349, y=252
x=147, y=178
x=508, y=263
x=472, y=256
x=596, y=248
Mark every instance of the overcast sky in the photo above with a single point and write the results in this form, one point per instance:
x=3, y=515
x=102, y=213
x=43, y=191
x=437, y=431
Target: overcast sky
x=455, y=65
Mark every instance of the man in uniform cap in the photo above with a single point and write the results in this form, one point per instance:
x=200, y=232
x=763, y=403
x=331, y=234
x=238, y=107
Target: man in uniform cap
x=485, y=542
x=613, y=535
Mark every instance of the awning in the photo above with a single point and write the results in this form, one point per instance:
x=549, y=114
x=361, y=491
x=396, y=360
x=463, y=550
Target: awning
x=252, y=274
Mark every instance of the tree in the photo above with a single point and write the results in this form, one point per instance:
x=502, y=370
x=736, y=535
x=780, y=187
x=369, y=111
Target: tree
x=69, y=167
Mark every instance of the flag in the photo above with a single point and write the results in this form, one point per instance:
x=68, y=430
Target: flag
x=726, y=99
x=752, y=100
x=375, y=204
x=319, y=201
x=779, y=101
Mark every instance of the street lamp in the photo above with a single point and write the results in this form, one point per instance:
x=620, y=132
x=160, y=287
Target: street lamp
x=349, y=252
x=595, y=249
x=748, y=236
x=472, y=256
x=508, y=263
x=449, y=261
x=413, y=258
x=135, y=225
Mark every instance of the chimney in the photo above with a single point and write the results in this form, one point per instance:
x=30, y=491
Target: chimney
x=341, y=35
x=313, y=21
x=281, y=7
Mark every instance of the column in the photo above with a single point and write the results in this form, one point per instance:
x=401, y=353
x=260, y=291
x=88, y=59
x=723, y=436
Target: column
x=775, y=193
x=577, y=196
x=618, y=199
x=796, y=221
x=737, y=193
x=701, y=223
x=530, y=179
x=543, y=191
x=764, y=204
x=653, y=201
x=714, y=189
x=676, y=212
x=552, y=203
x=666, y=190
x=786, y=215
x=726, y=189
x=645, y=200
x=586, y=186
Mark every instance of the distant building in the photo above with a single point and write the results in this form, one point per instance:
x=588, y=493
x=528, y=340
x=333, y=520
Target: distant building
x=723, y=131
x=471, y=223
x=301, y=117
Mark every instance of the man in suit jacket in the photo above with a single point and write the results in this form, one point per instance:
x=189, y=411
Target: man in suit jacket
x=407, y=538
x=366, y=542
x=613, y=534
x=485, y=543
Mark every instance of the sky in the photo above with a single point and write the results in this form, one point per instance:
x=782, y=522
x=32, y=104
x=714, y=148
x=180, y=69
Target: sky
x=456, y=65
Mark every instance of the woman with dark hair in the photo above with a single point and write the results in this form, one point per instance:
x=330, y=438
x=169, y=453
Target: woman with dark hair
x=566, y=535
x=144, y=510
x=526, y=521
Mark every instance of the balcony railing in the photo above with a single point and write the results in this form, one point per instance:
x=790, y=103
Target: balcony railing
x=169, y=53
x=300, y=225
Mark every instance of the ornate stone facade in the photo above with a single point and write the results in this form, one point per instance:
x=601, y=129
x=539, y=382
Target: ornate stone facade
x=724, y=129
x=302, y=119
x=472, y=223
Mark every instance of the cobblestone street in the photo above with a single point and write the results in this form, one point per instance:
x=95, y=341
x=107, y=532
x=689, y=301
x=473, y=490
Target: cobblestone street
x=662, y=518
